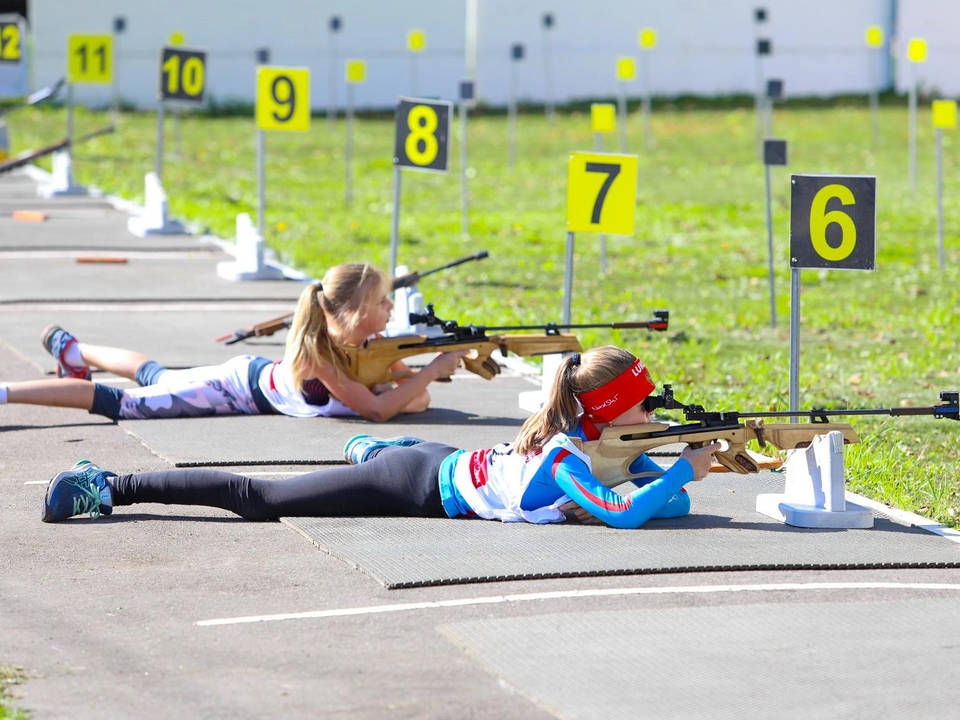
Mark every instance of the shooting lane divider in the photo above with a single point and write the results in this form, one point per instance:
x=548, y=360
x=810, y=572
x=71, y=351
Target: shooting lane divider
x=282, y=105
x=421, y=142
x=182, y=81
x=89, y=61
x=602, y=199
x=355, y=73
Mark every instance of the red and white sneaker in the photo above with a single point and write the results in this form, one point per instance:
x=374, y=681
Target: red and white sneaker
x=57, y=340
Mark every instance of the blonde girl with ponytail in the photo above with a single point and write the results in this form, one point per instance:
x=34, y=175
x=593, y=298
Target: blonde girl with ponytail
x=350, y=304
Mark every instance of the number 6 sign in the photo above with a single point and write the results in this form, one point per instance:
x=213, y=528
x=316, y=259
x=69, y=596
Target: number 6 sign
x=833, y=222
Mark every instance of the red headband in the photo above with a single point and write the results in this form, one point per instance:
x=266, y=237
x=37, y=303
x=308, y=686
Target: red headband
x=619, y=395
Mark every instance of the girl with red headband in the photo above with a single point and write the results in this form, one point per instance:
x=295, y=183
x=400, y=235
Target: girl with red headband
x=535, y=479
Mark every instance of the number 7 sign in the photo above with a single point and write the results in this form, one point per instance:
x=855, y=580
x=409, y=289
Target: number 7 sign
x=601, y=193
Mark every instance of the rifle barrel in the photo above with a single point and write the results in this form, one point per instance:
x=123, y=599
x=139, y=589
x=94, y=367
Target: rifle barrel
x=460, y=261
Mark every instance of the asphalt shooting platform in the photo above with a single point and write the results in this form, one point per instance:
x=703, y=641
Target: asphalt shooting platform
x=167, y=609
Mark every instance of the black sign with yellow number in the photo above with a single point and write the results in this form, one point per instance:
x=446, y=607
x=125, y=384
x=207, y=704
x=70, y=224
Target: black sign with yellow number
x=11, y=42
x=422, y=134
x=183, y=75
x=833, y=222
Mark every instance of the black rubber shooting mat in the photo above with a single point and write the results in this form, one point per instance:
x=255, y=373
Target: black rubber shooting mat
x=724, y=532
x=484, y=415
x=798, y=659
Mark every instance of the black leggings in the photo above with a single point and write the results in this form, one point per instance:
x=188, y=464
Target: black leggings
x=394, y=482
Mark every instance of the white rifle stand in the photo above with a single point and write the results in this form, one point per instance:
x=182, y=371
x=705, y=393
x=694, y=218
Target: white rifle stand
x=61, y=183
x=154, y=220
x=408, y=300
x=249, y=264
x=533, y=400
x=814, y=494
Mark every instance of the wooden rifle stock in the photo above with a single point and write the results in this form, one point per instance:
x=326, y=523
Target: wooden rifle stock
x=618, y=446
x=267, y=327
x=371, y=363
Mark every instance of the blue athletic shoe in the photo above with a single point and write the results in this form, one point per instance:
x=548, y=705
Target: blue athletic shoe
x=84, y=488
x=359, y=447
x=56, y=340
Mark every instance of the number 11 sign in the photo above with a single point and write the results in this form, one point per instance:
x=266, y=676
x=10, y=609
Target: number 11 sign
x=601, y=198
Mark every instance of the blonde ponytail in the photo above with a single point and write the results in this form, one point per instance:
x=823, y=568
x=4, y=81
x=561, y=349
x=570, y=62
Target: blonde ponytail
x=577, y=374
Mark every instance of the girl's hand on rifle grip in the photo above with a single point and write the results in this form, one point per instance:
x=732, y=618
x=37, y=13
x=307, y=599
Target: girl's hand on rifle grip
x=700, y=459
x=445, y=364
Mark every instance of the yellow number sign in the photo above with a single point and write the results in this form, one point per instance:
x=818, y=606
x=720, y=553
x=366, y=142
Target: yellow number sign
x=283, y=99
x=603, y=117
x=874, y=36
x=356, y=71
x=601, y=193
x=944, y=113
x=917, y=50
x=647, y=38
x=416, y=41
x=90, y=59
x=833, y=222
x=626, y=69
x=11, y=42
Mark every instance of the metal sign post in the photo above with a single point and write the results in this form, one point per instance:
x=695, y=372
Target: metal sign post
x=547, y=24
x=119, y=26
x=944, y=116
x=626, y=71
x=603, y=118
x=874, y=38
x=774, y=153
x=774, y=93
x=916, y=54
x=416, y=44
x=334, y=26
x=843, y=238
x=516, y=55
x=762, y=48
x=421, y=142
x=467, y=94
x=647, y=42
x=356, y=73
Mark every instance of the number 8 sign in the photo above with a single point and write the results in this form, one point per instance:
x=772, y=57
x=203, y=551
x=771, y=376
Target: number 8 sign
x=833, y=222
x=283, y=99
x=422, y=134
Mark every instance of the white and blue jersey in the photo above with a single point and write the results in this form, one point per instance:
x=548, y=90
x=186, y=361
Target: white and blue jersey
x=498, y=484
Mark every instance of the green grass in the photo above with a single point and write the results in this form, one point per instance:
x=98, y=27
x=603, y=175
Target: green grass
x=11, y=675
x=880, y=339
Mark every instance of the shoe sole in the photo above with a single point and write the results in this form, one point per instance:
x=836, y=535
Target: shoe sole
x=47, y=339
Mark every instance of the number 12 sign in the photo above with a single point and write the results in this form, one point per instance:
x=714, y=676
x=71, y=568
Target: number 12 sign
x=601, y=193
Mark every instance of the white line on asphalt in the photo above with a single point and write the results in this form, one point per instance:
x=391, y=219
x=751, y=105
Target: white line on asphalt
x=36, y=482
x=907, y=518
x=565, y=594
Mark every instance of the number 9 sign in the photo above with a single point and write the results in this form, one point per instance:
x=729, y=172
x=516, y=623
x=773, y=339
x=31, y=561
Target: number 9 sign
x=283, y=99
x=422, y=134
x=833, y=222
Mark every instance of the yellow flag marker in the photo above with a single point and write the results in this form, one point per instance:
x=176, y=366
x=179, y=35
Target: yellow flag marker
x=416, y=41
x=917, y=50
x=874, y=36
x=356, y=71
x=177, y=38
x=648, y=38
x=944, y=113
x=603, y=117
x=626, y=69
